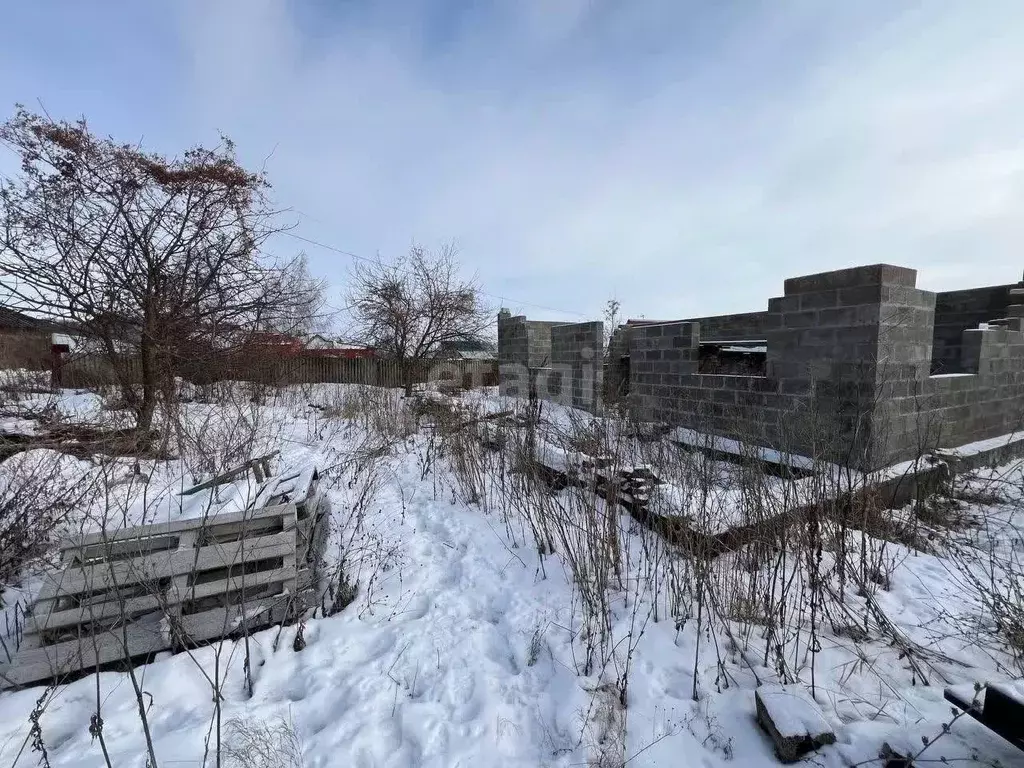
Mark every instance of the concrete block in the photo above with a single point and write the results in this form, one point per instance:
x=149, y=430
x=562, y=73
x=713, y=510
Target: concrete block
x=802, y=319
x=861, y=294
x=724, y=396
x=840, y=317
x=793, y=720
x=875, y=274
x=819, y=300
x=782, y=305
x=763, y=384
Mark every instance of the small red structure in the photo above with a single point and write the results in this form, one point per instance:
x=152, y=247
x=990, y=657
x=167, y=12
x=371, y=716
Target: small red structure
x=276, y=343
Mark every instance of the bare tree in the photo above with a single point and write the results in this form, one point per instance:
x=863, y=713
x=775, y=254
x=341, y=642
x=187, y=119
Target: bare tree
x=410, y=308
x=612, y=319
x=306, y=311
x=151, y=260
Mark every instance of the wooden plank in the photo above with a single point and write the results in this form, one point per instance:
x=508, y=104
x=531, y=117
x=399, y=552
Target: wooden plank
x=179, y=584
x=215, y=623
x=132, y=606
x=233, y=584
x=231, y=474
x=236, y=531
x=134, y=547
x=302, y=532
x=961, y=702
x=27, y=641
x=105, y=576
x=78, y=579
x=321, y=541
x=1008, y=730
x=42, y=621
x=42, y=662
x=311, y=539
x=39, y=664
x=212, y=524
x=1004, y=713
x=74, y=616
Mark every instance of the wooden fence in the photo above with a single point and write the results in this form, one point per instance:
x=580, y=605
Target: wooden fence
x=27, y=350
x=95, y=371
x=124, y=595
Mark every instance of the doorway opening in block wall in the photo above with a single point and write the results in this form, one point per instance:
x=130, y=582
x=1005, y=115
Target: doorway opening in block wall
x=616, y=378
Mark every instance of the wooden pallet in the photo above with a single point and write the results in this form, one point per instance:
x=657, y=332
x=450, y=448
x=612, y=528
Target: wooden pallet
x=123, y=595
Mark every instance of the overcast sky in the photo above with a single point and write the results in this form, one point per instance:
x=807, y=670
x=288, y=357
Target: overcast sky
x=684, y=157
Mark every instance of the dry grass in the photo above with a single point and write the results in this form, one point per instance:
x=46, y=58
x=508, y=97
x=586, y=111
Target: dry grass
x=258, y=743
x=772, y=597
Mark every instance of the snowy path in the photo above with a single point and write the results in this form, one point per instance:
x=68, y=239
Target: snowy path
x=437, y=675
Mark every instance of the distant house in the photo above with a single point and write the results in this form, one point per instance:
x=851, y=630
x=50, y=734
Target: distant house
x=352, y=352
x=14, y=321
x=284, y=345
x=321, y=346
x=316, y=341
x=467, y=349
x=274, y=344
x=26, y=341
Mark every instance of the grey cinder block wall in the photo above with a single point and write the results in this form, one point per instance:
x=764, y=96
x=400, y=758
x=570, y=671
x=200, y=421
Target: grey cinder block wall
x=559, y=362
x=577, y=353
x=842, y=335
x=850, y=375
x=956, y=311
x=744, y=326
x=527, y=342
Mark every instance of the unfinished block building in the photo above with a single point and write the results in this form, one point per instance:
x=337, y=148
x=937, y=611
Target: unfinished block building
x=560, y=362
x=856, y=365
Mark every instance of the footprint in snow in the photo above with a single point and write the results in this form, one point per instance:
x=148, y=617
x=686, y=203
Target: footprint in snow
x=459, y=695
x=380, y=643
x=677, y=683
x=296, y=690
x=416, y=609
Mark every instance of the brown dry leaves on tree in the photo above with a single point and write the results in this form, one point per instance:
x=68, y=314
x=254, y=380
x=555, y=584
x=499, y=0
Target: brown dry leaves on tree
x=155, y=262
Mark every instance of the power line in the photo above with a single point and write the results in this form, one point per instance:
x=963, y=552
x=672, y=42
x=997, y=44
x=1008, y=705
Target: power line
x=325, y=245
x=343, y=252
x=356, y=256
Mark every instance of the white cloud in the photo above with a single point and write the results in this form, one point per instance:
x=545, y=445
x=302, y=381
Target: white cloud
x=684, y=157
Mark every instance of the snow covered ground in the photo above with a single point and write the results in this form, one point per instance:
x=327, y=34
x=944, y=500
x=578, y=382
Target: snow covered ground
x=463, y=646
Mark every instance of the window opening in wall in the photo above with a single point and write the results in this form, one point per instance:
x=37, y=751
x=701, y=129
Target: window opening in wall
x=733, y=358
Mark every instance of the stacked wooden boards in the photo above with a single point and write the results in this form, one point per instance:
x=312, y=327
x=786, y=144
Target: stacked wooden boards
x=121, y=596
